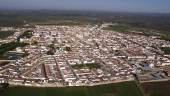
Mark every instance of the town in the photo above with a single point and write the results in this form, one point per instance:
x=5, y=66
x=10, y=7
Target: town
x=59, y=56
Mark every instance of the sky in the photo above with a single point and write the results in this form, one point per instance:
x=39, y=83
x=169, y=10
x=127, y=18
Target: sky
x=150, y=6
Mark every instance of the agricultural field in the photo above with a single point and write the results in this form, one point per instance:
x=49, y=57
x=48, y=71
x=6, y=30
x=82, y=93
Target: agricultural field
x=156, y=88
x=117, y=89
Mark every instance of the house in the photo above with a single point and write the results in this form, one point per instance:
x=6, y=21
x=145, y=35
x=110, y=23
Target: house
x=167, y=70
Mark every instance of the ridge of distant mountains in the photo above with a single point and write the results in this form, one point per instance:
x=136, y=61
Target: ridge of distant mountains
x=76, y=13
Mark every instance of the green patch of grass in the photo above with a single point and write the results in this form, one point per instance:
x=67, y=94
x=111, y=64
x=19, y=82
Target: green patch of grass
x=6, y=34
x=117, y=89
x=166, y=50
x=129, y=29
x=156, y=88
x=166, y=37
x=118, y=28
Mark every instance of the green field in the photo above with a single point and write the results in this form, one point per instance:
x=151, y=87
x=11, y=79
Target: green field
x=165, y=37
x=118, y=89
x=156, y=88
x=166, y=50
x=118, y=28
x=5, y=34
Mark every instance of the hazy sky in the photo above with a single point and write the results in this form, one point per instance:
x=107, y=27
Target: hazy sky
x=162, y=6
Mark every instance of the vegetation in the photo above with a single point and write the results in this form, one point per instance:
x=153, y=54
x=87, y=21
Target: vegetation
x=118, y=28
x=5, y=34
x=17, y=20
x=165, y=37
x=26, y=34
x=159, y=22
x=52, y=49
x=35, y=43
x=166, y=50
x=156, y=23
x=50, y=52
x=161, y=88
x=88, y=65
x=14, y=55
x=9, y=21
x=3, y=87
x=117, y=89
x=129, y=29
x=10, y=46
x=67, y=49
